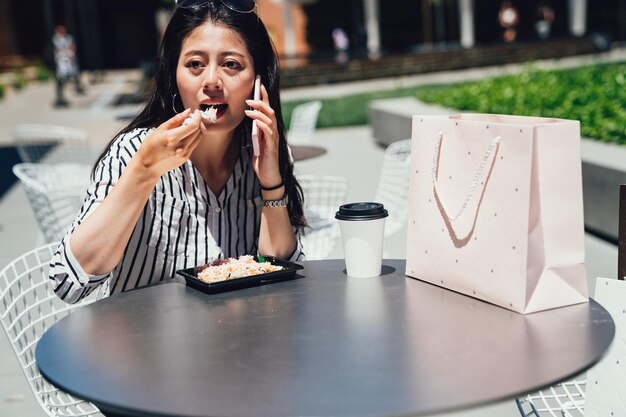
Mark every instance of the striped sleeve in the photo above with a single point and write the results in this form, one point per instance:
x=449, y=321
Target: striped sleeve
x=68, y=279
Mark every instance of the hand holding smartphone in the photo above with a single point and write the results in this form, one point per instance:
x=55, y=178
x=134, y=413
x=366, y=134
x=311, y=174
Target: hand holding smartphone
x=255, y=130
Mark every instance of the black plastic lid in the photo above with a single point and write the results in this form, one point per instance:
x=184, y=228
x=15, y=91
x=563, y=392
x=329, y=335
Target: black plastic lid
x=361, y=211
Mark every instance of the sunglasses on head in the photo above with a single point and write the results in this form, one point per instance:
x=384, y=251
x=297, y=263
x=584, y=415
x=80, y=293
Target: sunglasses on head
x=240, y=6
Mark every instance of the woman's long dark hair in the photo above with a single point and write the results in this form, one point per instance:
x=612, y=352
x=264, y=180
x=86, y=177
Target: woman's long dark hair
x=160, y=106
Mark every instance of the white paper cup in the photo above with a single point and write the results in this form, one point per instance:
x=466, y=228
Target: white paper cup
x=362, y=228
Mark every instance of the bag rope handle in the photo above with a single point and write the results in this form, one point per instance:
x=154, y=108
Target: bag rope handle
x=434, y=172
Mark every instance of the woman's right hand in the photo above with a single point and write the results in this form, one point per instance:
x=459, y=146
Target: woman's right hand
x=171, y=144
x=98, y=243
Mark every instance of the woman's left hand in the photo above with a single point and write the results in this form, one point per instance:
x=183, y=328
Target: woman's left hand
x=265, y=165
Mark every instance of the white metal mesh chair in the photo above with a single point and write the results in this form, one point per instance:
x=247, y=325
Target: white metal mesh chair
x=600, y=392
x=52, y=144
x=562, y=400
x=323, y=194
x=303, y=122
x=55, y=193
x=393, y=185
x=28, y=307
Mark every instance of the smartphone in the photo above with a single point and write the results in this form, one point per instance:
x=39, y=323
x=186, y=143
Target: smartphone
x=255, y=130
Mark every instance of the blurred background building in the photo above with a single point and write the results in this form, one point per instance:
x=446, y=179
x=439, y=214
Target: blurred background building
x=122, y=34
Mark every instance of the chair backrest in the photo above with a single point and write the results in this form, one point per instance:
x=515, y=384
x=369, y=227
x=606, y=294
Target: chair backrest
x=323, y=194
x=303, y=122
x=28, y=307
x=52, y=144
x=55, y=193
x=606, y=380
x=393, y=184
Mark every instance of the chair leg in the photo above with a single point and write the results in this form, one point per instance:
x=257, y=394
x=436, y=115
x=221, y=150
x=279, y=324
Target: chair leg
x=526, y=408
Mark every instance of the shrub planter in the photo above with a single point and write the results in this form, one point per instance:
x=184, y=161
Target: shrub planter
x=603, y=164
x=391, y=118
x=604, y=169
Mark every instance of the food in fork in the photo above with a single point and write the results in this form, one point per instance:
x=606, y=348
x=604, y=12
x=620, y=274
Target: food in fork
x=244, y=266
x=210, y=114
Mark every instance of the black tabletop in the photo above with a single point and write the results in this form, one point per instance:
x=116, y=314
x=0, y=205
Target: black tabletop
x=302, y=152
x=321, y=345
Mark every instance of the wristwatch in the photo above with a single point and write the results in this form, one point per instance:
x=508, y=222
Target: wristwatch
x=275, y=203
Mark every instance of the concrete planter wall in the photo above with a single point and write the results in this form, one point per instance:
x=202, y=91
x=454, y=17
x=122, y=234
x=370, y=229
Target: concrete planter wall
x=604, y=169
x=603, y=165
x=391, y=118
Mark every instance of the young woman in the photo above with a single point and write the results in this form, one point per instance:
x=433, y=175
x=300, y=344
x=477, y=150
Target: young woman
x=176, y=189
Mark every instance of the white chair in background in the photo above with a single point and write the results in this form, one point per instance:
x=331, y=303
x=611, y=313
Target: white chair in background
x=52, y=144
x=55, y=193
x=393, y=185
x=601, y=392
x=323, y=194
x=303, y=122
x=28, y=307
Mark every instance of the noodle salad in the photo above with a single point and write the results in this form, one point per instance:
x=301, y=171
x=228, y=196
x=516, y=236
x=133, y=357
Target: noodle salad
x=244, y=266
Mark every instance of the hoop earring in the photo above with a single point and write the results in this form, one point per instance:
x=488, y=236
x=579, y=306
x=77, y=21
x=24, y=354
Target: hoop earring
x=174, y=104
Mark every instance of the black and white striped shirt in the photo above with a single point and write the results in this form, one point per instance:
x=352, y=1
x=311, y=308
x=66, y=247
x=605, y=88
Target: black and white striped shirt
x=182, y=225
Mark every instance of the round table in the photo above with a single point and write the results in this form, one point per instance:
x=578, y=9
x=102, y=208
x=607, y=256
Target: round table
x=323, y=344
x=303, y=152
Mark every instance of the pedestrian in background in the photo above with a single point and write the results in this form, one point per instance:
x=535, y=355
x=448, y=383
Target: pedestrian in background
x=545, y=18
x=66, y=63
x=342, y=44
x=508, y=17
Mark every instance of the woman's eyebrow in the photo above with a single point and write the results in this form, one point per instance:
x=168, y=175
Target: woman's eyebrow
x=204, y=53
x=195, y=52
x=233, y=53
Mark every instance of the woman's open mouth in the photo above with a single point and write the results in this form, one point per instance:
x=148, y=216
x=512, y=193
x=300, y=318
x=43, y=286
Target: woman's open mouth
x=212, y=112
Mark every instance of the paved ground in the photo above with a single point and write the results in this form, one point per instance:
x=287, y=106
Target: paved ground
x=92, y=112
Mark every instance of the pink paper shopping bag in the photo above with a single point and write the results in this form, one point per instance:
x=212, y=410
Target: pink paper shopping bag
x=496, y=209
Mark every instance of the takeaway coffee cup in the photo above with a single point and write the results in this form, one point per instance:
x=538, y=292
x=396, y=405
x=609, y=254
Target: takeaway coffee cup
x=362, y=228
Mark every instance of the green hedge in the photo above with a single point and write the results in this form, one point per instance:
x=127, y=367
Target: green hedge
x=19, y=81
x=2, y=90
x=43, y=73
x=595, y=95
